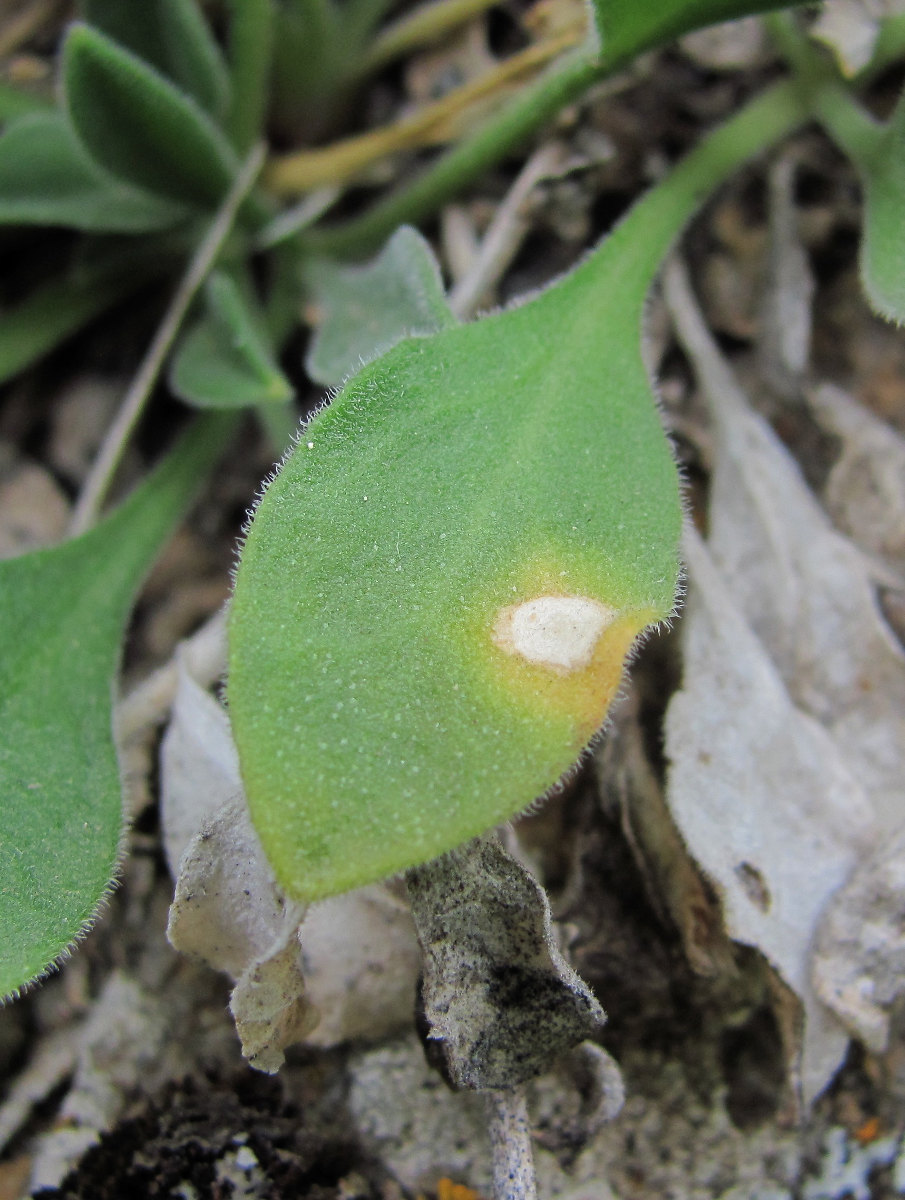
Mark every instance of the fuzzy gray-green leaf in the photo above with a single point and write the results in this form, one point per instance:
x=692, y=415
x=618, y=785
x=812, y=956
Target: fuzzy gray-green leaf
x=225, y=360
x=46, y=178
x=139, y=126
x=173, y=37
x=362, y=311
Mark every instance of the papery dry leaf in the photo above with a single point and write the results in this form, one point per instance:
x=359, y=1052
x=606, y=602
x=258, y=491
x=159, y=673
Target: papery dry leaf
x=359, y=959
x=865, y=490
x=497, y=992
x=728, y=46
x=199, y=767
x=582, y=1093
x=762, y=797
x=270, y=1007
x=229, y=910
x=805, y=589
x=859, y=953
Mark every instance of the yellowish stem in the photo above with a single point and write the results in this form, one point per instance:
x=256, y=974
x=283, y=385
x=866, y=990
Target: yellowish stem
x=17, y=29
x=440, y=121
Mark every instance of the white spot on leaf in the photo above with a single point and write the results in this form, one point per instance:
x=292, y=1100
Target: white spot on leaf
x=559, y=632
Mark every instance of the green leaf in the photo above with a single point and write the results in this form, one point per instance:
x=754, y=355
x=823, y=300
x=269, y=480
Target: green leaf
x=439, y=589
x=881, y=162
x=250, y=57
x=362, y=311
x=224, y=360
x=627, y=27
x=46, y=178
x=64, y=614
x=453, y=482
x=877, y=150
x=140, y=127
x=173, y=37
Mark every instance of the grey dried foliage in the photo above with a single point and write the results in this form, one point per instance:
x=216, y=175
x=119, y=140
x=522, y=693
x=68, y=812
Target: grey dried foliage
x=354, y=974
x=783, y=633
x=804, y=588
x=729, y=45
x=199, y=768
x=581, y=1095
x=361, y=961
x=865, y=490
x=229, y=910
x=787, y=307
x=498, y=995
x=762, y=797
x=859, y=951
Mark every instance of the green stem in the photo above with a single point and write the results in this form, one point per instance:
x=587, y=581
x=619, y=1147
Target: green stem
x=465, y=162
x=823, y=92
x=800, y=53
x=630, y=258
x=852, y=128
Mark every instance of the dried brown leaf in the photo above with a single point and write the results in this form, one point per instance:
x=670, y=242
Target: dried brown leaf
x=672, y=879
